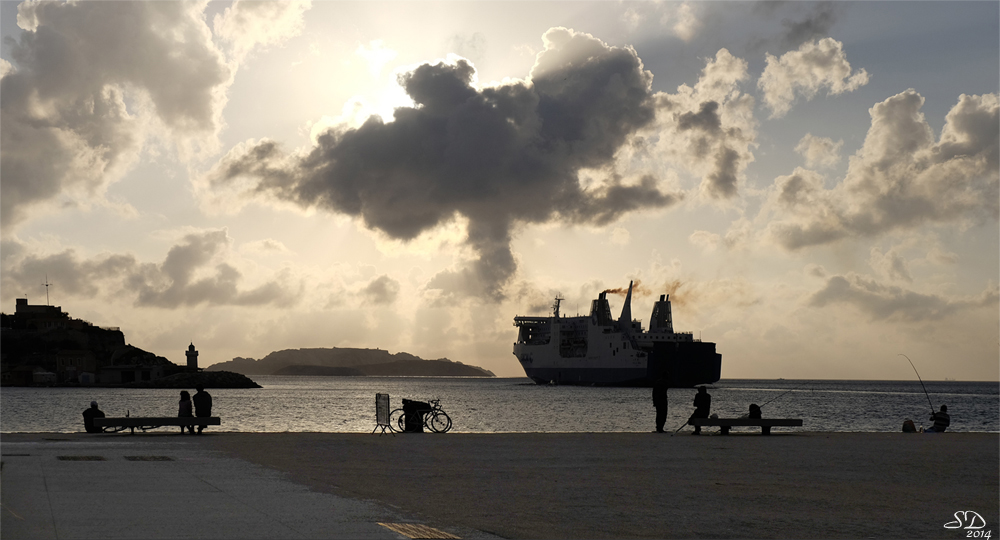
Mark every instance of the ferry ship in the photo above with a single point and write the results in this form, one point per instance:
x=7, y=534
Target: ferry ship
x=598, y=350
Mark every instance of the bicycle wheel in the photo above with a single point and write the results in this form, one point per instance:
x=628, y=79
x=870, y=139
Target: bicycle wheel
x=396, y=420
x=440, y=422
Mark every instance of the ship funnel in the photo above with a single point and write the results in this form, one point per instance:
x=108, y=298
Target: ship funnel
x=600, y=310
x=626, y=317
x=662, y=320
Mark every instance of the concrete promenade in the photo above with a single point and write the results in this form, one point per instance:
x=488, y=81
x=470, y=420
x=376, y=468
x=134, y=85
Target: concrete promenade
x=521, y=485
x=164, y=485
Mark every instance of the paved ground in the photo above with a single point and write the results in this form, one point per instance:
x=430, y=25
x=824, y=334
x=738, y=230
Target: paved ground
x=519, y=485
x=791, y=484
x=168, y=486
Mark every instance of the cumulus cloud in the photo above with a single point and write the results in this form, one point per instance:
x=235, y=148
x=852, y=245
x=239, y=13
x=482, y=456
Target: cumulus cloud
x=686, y=23
x=709, y=129
x=381, y=290
x=886, y=302
x=819, y=151
x=246, y=25
x=683, y=19
x=814, y=66
x=66, y=127
x=901, y=178
x=496, y=156
x=92, y=81
x=195, y=271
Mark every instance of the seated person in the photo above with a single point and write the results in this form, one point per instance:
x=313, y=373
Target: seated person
x=754, y=411
x=941, y=421
x=88, y=418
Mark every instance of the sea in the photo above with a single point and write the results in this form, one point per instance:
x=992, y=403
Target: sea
x=512, y=405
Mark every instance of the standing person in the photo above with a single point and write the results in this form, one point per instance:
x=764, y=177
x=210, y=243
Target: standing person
x=660, y=401
x=702, y=404
x=941, y=421
x=185, y=410
x=202, y=405
x=88, y=418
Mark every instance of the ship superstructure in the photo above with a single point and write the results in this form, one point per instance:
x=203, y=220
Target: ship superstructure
x=603, y=351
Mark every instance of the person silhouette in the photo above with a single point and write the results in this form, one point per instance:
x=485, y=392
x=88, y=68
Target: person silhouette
x=941, y=421
x=185, y=410
x=202, y=405
x=702, y=404
x=755, y=412
x=660, y=401
x=88, y=418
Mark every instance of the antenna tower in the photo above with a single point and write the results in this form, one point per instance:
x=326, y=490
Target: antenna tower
x=46, y=284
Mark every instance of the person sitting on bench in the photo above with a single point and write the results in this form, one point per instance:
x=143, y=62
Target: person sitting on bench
x=754, y=411
x=88, y=418
x=702, y=404
x=185, y=409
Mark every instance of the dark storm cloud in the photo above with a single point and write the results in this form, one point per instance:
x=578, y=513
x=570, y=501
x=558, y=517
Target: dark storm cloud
x=186, y=277
x=885, y=302
x=498, y=156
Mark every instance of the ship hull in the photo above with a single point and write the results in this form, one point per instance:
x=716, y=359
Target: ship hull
x=687, y=363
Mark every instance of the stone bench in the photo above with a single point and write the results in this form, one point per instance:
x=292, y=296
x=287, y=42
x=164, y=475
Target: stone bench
x=765, y=423
x=144, y=423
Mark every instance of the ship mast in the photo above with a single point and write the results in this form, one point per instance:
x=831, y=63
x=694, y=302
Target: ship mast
x=555, y=307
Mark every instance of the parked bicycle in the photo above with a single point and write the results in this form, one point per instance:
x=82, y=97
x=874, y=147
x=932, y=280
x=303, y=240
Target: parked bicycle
x=435, y=419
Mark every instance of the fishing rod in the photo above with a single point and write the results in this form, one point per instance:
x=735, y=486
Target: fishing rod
x=919, y=379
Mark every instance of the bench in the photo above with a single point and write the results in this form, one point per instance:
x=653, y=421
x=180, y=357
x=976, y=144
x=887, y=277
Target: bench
x=765, y=423
x=132, y=422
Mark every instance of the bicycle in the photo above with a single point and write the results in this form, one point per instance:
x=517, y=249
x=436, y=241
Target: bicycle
x=435, y=419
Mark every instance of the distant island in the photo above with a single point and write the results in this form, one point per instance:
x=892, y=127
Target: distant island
x=349, y=362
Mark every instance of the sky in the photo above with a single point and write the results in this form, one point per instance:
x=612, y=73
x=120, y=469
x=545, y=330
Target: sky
x=814, y=184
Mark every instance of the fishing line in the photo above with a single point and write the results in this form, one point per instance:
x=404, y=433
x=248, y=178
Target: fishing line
x=775, y=398
x=919, y=379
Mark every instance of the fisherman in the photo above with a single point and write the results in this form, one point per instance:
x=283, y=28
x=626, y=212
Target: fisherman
x=754, y=411
x=941, y=421
x=702, y=404
x=88, y=418
x=660, y=401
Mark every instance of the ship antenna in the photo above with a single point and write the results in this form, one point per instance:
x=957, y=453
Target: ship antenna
x=555, y=307
x=46, y=284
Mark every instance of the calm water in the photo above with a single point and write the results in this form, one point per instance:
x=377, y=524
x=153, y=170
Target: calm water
x=346, y=404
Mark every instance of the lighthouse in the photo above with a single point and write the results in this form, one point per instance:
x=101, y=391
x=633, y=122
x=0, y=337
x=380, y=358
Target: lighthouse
x=192, y=358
